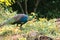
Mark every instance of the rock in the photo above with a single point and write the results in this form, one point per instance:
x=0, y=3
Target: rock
x=32, y=35
x=45, y=38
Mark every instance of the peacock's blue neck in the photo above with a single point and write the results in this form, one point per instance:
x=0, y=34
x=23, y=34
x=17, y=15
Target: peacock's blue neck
x=24, y=19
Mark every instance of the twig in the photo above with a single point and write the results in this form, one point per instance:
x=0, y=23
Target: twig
x=20, y=6
x=36, y=5
x=26, y=7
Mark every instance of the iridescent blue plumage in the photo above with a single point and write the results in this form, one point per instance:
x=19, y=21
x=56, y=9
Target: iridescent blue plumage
x=24, y=19
x=20, y=18
x=17, y=19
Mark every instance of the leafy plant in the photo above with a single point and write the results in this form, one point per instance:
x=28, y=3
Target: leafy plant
x=4, y=15
x=7, y=2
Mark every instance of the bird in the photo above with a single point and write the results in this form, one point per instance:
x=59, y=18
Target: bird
x=17, y=19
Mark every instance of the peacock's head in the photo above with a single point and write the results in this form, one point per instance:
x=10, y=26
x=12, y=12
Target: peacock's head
x=32, y=16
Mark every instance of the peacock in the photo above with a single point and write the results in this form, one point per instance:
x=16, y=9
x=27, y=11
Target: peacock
x=17, y=19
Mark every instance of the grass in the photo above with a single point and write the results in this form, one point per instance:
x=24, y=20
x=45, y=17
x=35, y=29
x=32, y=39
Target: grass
x=31, y=29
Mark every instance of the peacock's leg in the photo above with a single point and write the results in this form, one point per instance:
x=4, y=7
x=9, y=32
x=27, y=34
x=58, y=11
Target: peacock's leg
x=17, y=25
x=21, y=27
